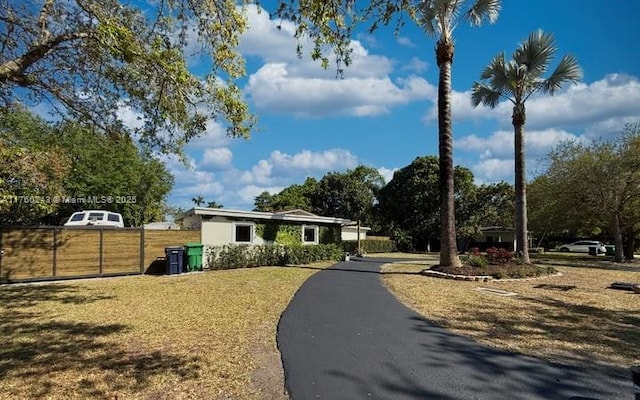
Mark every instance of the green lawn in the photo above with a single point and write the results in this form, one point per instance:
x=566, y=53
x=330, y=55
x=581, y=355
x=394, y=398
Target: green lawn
x=205, y=335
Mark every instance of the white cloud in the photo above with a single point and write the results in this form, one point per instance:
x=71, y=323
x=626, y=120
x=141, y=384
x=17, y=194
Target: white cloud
x=217, y=158
x=405, y=41
x=328, y=160
x=500, y=144
x=272, y=88
x=416, y=65
x=600, y=108
x=301, y=87
x=387, y=173
x=493, y=170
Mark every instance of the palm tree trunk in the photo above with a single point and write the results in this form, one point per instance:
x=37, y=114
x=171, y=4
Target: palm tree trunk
x=448, y=248
x=522, y=237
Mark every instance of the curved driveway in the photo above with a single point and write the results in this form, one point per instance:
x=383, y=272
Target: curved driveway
x=344, y=336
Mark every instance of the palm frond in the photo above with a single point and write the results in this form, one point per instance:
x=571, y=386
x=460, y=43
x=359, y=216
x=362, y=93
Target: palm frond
x=438, y=16
x=427, y=17
x=567, y=70
x=483, y=94
x=484, y=10
x=536, y=52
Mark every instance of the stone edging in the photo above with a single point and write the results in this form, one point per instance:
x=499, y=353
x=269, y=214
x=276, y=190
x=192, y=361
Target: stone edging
x=480, y=278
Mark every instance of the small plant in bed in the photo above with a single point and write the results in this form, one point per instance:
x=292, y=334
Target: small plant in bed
x=495, y=262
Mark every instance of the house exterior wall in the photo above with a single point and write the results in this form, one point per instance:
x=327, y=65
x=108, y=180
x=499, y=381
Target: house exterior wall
x=192, y=221
x=351, y=233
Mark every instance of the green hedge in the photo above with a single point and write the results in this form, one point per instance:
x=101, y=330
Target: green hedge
x=243, y=256
x=370, y=246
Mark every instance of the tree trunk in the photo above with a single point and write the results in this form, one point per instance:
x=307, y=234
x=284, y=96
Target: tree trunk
x=617, y=239
x=448, y=249
x=522, y=237
x=630, y=244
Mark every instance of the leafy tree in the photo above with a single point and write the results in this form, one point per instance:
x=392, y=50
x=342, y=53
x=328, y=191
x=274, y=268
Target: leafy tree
x=485, y=205
x=290, y=198
x=410, y=205
x=80, y=169
x=516, y=81
x=333, y=23
x=31, y=174
x=350, y=194
x=92, y=59
x=597, y=185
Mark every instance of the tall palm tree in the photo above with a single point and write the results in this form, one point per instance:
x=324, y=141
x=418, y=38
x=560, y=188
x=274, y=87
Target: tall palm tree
x=439, y=19
x=516, y=81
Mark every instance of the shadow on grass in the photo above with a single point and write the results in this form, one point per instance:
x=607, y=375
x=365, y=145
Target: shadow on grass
x=42, y=357
x=577, y=328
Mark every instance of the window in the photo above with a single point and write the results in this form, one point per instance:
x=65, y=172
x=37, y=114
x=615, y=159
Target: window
x=113, y=217
x=309, y=234
x=96, y=216
x=77, y=217
x=243, y=233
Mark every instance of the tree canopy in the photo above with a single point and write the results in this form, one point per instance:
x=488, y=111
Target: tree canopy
x=68, y=167
x=591, y=187
x=97, y=62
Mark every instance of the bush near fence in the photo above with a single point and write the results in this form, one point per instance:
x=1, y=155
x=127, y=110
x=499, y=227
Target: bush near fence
x=245, y=256
x=370, y=246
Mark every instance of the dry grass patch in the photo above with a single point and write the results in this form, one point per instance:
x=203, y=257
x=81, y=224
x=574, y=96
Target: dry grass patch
x=208, y=335
x=572, y=318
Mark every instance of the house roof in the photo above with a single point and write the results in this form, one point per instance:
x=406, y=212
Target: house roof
x=496, y=229
x=288, y=216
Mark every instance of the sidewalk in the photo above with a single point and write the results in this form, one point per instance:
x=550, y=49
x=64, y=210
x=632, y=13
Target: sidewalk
x=344, y=336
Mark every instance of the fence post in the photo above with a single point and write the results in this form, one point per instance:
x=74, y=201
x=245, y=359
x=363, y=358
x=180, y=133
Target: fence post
x=635, y=375
x=55, y=251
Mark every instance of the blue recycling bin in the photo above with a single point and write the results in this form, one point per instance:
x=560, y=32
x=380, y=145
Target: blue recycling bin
x=175, y=259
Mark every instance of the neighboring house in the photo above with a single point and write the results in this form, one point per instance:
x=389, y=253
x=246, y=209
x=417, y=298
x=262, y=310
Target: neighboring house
x=350, y=232
x=495, y=236
x=221, y=226
x=165, y=225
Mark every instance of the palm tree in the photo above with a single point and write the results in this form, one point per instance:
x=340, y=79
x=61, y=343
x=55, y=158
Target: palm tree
x=516, y=81
x=198, y=201
x=439, y=18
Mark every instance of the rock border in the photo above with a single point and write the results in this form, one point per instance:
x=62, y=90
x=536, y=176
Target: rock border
x=481, y=278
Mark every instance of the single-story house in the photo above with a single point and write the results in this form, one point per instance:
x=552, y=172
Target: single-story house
x=496, y=236
x=221, y=226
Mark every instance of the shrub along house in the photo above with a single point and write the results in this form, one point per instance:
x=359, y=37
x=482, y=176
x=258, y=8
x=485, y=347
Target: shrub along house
x=219, y=227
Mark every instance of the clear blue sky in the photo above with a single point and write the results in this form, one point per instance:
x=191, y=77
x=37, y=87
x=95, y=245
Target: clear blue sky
x=382, y=114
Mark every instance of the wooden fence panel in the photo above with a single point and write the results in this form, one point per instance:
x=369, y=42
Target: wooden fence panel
x=121, y=251
x=78, y=252
x=155, y=242
x=28, y=253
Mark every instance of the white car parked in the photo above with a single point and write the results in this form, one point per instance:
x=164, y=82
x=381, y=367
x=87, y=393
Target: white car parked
x=95, y=218
x=582, y=246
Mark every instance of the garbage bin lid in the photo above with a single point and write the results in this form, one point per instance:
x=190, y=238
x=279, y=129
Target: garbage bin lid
x=193, y=244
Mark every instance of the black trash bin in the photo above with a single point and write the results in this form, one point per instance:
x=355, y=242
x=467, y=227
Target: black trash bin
x=593, y=251
x=175, y=259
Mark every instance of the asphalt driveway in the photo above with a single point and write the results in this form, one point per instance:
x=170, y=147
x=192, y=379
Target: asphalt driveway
x=344, y=336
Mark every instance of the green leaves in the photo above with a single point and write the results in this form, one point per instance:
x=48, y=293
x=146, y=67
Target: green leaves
x=95, y=57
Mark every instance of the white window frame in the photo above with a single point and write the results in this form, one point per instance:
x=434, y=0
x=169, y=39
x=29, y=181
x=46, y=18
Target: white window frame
x=316, y=233
x=252, y=228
